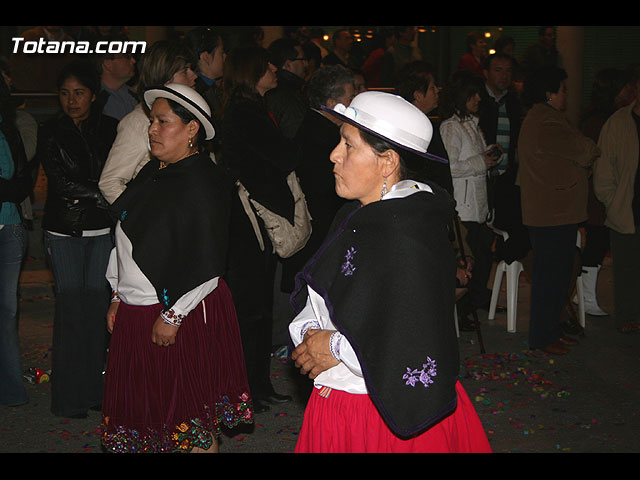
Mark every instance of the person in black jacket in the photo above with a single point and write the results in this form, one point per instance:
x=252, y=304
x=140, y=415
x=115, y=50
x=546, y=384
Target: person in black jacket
x=16, y=183
x=73, y=148
x=287, y=102
x=256, y=153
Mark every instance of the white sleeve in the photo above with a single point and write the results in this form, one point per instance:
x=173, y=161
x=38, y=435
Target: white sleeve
x=460, y=164
x=128, y=154
x=304, y=321
x=188, y=302
x=307, y=319
x=343, y=351
x=112, y=270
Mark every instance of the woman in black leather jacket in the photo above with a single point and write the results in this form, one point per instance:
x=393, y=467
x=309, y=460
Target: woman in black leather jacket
x=73, y=148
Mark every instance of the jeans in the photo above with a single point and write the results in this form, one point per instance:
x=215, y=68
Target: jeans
x=13, y=244
x=80, y=337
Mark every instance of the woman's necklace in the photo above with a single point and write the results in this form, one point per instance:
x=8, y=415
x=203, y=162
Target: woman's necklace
x=164, y=164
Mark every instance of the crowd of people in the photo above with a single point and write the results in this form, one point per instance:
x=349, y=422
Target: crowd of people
x=165, y=274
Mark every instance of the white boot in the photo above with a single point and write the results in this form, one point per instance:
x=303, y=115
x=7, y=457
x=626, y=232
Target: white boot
x=589, y=281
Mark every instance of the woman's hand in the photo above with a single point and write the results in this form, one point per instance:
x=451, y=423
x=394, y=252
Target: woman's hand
x=163, y=334
x=313, y=356
x=464, y=271
x=492, y=155
x=111, y=316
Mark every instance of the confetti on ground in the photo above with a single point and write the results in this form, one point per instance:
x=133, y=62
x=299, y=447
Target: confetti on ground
x=511, y=369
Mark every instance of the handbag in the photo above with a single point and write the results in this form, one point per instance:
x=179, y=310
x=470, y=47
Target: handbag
x=286, y=238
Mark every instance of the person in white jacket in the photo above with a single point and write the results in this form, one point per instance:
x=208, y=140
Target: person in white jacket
x=470, y=160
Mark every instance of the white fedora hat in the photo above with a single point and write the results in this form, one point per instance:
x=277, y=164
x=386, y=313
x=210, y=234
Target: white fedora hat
x=391, y=118
x=188, y=98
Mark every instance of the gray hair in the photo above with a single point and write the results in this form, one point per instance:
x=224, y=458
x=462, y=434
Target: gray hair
x=328, y=82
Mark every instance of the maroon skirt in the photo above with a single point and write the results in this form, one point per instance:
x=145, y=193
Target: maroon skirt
x=171, y=399
x=340, y=422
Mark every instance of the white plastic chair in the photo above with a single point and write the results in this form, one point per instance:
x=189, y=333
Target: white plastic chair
x=513, y=271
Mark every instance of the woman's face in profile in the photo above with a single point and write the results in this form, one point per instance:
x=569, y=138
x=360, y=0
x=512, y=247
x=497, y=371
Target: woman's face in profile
x=168, y=134
x=268, y=81
x=473, y=103
x=75, y=99
x=186, y=77
x=356, y=169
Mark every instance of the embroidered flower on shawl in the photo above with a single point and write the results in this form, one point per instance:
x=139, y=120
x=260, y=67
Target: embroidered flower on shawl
x=424, y=376
x=347, y=267
x=122, y=215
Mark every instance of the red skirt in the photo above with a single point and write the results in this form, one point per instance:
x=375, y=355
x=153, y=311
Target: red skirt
x=171, y=399
x=346, y=423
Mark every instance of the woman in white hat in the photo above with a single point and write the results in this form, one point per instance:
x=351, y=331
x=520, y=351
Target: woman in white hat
x=374, y=326
x=175, y=370
x=166, y=61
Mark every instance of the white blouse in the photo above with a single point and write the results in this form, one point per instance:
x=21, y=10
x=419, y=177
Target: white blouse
x=134, y=288
x=347, y=375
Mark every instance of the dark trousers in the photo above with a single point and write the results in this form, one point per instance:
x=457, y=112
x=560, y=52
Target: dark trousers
x=250, y=276
x=80, y=337
x=480, y=240
x=596, y=245
x=554, y=251
x=625, y=252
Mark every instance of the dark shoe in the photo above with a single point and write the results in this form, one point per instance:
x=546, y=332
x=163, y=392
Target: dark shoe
x=276, y=398
x=259, y=407
x=568, y=341
x=556, y=348
x=465, y=324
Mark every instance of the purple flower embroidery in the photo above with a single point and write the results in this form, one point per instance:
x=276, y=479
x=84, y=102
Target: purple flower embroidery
x=347, y=267
x=424, y=376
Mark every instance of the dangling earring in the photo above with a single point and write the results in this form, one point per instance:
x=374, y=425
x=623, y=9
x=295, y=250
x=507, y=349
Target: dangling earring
x=384, y=188
x=190, y=143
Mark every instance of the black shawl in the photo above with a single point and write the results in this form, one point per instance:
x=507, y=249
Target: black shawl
x=177, y=221
x=387, y=275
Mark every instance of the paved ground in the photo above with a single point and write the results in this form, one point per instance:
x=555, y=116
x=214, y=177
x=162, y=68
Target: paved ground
x=587, y=401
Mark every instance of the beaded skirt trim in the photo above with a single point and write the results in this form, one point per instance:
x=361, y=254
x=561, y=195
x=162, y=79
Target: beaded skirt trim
x=182, y=437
